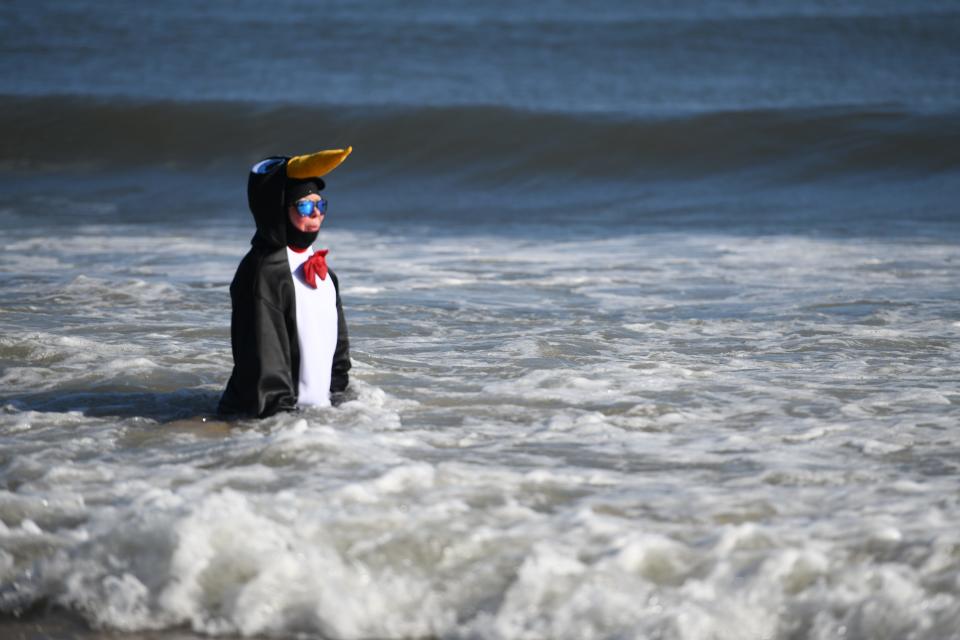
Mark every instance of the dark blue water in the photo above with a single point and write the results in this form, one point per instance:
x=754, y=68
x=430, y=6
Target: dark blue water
x=804, y=117
x=615, y=57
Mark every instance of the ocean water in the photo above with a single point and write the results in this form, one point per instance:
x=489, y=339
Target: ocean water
x=654, y=316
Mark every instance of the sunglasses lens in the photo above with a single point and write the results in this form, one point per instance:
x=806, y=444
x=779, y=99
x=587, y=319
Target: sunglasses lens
x=305, y=207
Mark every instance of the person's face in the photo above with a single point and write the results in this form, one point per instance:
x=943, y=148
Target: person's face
x=307, y=224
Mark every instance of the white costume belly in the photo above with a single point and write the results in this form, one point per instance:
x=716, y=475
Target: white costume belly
x=316, y=331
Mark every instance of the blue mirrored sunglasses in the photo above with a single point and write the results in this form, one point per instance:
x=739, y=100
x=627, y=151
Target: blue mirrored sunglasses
x=305, y=207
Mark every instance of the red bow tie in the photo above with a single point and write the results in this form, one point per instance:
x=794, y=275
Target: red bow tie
x=316, y=265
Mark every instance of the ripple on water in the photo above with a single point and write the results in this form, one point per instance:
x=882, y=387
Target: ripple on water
x=689, y=438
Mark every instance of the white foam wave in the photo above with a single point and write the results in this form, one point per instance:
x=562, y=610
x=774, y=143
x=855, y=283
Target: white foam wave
x=677, y=437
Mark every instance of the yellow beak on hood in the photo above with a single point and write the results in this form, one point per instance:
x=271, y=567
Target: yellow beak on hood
x=315, y=165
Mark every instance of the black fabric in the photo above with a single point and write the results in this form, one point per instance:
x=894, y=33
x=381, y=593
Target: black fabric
x=263, y=324
x=265, y=197
x=297, y=238
x=296, y=189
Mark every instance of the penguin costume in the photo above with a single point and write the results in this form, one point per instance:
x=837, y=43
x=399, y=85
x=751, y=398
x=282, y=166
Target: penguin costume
x=287, y=328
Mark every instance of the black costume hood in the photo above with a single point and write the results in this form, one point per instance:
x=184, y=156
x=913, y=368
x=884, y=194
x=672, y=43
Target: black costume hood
x=268, y=181
x=265, y=195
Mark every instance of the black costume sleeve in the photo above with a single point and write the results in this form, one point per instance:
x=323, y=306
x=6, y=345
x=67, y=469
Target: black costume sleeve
x=339, y=378
x=262, y=382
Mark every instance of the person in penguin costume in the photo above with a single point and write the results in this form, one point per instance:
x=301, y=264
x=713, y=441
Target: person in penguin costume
x=287, y=329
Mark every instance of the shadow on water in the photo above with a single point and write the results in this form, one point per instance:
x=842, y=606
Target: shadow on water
x=162, y=407
x=47, y=622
